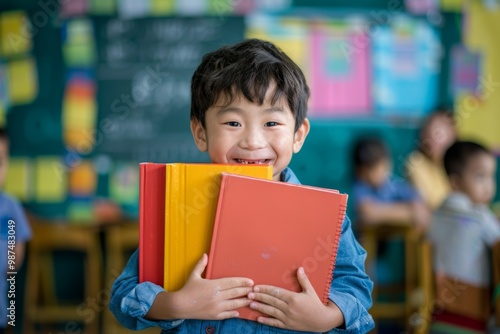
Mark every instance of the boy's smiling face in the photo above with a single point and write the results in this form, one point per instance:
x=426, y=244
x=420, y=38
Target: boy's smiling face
x=247, y=133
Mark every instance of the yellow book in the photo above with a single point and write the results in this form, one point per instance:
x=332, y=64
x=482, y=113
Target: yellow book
x=191, y=196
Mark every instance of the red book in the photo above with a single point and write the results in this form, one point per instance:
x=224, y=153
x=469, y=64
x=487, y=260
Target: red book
x=152, y=211
x=265, y=230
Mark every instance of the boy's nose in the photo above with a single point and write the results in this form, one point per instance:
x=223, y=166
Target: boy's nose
x=253, y=139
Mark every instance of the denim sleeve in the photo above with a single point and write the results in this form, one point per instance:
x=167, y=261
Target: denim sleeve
x=351, y=287
x=131, y=300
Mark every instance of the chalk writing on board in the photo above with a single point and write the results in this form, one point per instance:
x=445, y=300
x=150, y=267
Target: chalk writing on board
x=144, y=77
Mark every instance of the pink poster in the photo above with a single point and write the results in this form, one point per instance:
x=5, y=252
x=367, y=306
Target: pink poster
x=74, y=8
x=340, y=84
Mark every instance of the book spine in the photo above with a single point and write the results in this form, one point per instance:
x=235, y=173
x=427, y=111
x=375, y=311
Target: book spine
x=338, y=232
x=170, y=196
x=174, y=226
x=215, y=231
x=142, y=219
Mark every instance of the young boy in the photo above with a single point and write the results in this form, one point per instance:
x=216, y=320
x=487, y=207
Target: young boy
x=379, y=197
x=14, y=230
x=462, y=232
x=248, y=106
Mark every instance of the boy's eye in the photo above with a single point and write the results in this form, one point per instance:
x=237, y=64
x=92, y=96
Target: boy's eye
x=235, y=124
x=268, y=124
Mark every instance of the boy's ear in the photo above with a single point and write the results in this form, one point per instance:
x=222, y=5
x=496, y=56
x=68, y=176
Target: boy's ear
x=455, y=182
x=300, y=135
x=199, y=135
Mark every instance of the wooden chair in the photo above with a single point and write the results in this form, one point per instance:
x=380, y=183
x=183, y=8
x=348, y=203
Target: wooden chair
x=121, y=241
x=423, y=316
x=496, y=281
x=369, y=238
x=42, y=305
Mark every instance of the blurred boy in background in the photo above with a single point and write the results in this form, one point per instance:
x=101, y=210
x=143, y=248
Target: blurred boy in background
x=462, y=232
x=380, y=198
x=14, y=233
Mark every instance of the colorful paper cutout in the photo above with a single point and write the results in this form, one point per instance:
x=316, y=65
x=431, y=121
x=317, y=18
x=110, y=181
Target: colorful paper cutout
x=162, y=7
x=82, y=179
x=18, y=179
x=128, y=9
x=288, y=33
x=4, y=93
x=23, y=80
x=420, y=7
x=193, y=7
x=74, y=8
x=452, y=5
x=79, y=48
x=102, y=7
x=124, y=184
x=79, y=112
x=50, y=179
x=464, y=71
x=15, y=34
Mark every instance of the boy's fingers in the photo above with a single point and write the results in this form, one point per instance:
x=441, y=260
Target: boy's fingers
x=227, y=315
x=234, y=304
x=235, y=282
x=275, y=301
x=200, y=265
x=304, y=280
x=235, y=292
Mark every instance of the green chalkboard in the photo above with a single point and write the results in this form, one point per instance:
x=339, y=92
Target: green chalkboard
x=143, y=77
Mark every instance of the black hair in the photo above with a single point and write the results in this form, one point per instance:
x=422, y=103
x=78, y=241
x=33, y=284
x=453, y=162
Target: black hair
x=4, y=135
x=459, y=154
x=248, y=68
x=368, y=152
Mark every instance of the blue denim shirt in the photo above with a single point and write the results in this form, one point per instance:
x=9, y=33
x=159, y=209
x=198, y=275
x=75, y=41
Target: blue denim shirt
x=350, y=290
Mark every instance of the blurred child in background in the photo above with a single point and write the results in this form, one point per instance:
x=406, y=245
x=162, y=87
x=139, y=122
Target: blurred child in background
x=462, y=232
x=381, y=198
x=14, y=232
x=424, y=166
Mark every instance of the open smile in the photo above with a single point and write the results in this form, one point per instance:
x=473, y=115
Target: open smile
x=253, y=162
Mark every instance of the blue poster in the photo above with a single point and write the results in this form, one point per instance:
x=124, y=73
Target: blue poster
x=406, y=64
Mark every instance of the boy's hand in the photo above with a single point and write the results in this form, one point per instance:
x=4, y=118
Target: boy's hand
x=211, y=299
x=301, y=311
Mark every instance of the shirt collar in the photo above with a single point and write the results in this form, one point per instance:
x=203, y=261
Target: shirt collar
x=288, y=176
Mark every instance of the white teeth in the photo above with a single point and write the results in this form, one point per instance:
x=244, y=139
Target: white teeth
x=246, y=162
